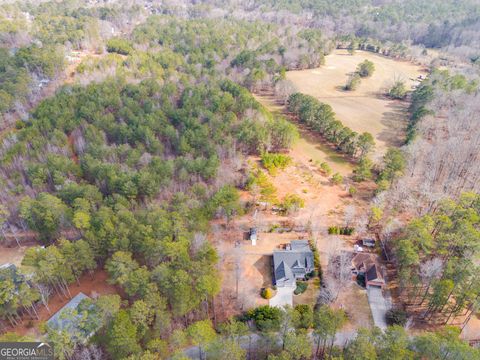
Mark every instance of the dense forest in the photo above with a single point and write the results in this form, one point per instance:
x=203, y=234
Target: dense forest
x=124, y=169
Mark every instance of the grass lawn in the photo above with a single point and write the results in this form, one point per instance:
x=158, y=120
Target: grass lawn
x=310, y=295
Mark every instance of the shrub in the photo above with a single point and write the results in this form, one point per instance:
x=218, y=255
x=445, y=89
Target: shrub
x=398, y=91
x=353, y=82
x=396, y=317
x=19, y=124
x=292, y=202
x=337, y=179
x=365, y=68
x=352, y=190
x=333, y=230
x=273, y=162
x=382, y=185
x=301, y=287
x=119, y=46
x=273, y=228
x=325, y=168
x=267, y=293
x=316, y=260
x=337, y=230
x=267, y=318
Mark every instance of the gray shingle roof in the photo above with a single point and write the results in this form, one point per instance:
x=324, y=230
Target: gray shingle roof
x=294, y=262
x=63, y=319
x=10, y=271
x=300, y=245
x=373, y=274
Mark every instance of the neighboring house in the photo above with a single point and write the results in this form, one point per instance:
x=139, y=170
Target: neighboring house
x=10, y=271
x=293, y=263
x=69, y=319
x=367, y=265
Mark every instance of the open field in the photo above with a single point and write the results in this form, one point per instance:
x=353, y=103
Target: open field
x=353, y=299
x=309, y=146
x=12, y=255
x=365, y=109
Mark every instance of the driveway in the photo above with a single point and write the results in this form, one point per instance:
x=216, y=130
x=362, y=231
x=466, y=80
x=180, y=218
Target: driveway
x=378, y=305
x=283, y=297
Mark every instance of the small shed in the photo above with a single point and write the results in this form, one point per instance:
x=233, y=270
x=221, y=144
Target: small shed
x=368, y=242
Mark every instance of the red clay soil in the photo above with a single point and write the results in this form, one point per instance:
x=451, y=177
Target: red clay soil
x=72, y=148
x=90, y=286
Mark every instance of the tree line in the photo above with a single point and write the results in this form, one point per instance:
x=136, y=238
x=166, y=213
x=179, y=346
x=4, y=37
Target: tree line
x=436, y=261
x=321, y=118
x=128, y=173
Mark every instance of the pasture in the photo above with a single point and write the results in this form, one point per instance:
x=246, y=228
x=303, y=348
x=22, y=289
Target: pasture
x=367, y=108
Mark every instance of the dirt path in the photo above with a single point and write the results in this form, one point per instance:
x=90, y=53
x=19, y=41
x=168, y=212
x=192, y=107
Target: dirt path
x=365, y=109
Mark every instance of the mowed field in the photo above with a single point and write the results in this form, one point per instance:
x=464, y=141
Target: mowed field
x=367, y=108
x=309, y=147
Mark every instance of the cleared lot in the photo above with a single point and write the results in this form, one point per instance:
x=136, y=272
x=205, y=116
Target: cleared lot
x=12, y=255
x=365, y=109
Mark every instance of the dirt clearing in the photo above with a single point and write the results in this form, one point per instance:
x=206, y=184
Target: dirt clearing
x=246, y=269
x=365, y=109
x=90, y=285
x=12, y=255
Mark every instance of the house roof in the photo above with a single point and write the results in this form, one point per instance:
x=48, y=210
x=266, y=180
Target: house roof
x=10, y=271
x=369, y=265
x=373, y=274
x=295, y=259
x=300, y=245
x=283, y=272
x=63, y=319
x=361, y=261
